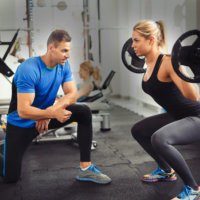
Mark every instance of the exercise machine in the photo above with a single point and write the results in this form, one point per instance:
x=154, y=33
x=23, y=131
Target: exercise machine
x=6, y=72
x=98, y=103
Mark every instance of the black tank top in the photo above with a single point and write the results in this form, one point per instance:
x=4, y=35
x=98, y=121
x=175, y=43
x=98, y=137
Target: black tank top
x=168, y=96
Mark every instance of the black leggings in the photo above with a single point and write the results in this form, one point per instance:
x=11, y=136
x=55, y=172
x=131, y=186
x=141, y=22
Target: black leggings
x=18, y=139
x=158, y=133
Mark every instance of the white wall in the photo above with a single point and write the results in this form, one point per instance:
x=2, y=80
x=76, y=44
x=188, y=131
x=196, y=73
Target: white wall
x=8, y=16
x=108, y=19
x=198, y=14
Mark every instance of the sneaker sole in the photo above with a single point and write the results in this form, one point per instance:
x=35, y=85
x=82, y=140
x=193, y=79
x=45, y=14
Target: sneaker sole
x=92, y=180
x=159, y=180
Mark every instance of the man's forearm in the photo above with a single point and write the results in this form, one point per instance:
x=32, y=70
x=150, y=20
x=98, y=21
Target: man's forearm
x=33, y=113
x=67, y=99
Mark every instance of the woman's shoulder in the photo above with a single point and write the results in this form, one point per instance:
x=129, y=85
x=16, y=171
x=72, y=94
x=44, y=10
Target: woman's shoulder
x=167, y=56
x=167, y=62
x=87, y=84
x=167, y=59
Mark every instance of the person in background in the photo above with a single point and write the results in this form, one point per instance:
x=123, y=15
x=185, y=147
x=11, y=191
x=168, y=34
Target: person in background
x=91, y=80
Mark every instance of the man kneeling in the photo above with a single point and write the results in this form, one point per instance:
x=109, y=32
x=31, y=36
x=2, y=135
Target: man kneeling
x=32, y=110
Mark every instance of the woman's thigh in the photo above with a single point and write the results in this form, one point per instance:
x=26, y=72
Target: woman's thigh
x=148, y=126
x=180, y=132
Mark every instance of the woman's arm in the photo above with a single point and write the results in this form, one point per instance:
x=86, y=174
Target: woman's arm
x=85, y=90
x=189, y=90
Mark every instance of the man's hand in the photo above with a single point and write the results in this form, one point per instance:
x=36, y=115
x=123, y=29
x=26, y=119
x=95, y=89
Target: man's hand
x=60, y=112
x=42, y=125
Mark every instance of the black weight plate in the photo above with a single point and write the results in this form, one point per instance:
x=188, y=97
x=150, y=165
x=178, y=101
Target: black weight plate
x=188, y=56
x=137, y=64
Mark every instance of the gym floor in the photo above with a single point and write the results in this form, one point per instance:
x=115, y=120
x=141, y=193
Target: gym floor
x=49, y=169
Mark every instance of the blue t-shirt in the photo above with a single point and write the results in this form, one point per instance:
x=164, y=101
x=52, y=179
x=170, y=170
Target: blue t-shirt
x=33, y=76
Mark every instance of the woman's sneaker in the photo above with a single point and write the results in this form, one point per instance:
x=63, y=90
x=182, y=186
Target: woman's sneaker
x=188, y=194
x=160, y=175
x=94, y=175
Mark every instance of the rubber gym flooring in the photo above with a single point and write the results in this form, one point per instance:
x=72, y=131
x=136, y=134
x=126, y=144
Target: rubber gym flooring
x=49, y=169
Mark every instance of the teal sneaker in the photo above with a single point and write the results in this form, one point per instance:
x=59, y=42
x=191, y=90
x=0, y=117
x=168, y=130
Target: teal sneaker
x=160, y=175
x=94, y=175
x=188, y=194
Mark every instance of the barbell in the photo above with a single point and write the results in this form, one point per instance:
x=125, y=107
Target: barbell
x=182, y=55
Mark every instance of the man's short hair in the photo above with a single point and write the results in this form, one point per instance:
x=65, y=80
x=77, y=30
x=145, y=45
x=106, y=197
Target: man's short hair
x=58, y=36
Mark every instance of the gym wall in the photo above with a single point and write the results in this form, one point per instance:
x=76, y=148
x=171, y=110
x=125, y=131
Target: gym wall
x=8, y=26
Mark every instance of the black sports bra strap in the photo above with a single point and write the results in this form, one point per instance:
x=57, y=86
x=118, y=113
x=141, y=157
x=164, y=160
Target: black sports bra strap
x=158, y=63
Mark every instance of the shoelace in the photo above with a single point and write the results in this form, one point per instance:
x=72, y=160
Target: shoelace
x=95, y=169
x=156, y=171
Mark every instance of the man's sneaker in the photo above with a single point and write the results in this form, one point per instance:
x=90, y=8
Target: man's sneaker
x=160, y=175
x=188, y=194
x=94, y=175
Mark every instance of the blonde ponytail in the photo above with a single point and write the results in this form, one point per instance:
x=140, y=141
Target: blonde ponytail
x=149, y=28
x=97, y=74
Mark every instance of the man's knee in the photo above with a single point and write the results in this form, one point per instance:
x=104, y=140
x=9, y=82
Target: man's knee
x=1, y=165
x=12, y=179
x=11, y=175
x=11, y=171
x=85, y=112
